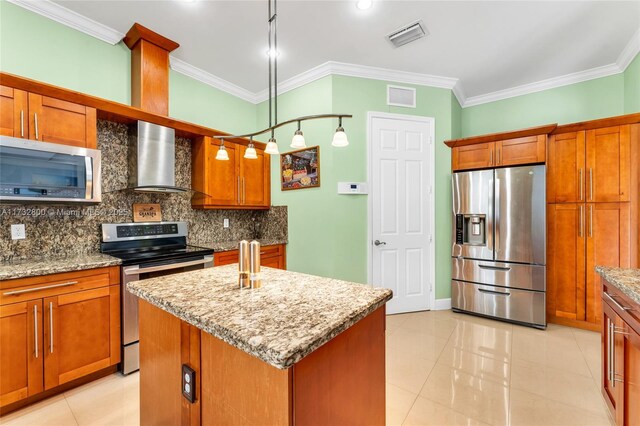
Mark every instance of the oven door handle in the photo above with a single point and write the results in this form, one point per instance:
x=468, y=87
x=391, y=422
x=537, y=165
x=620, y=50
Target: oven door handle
x=136, y=270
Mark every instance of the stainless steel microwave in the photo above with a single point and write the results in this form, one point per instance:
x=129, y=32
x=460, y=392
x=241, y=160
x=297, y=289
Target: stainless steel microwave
x=41, y=172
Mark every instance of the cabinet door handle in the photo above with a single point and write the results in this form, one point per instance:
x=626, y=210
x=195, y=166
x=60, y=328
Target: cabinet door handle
x=46, y=287
x=21, y=123
x=35, y=328
x=610, y=354
x=35, y=120
x=615, y=302
x=491, y=157
x=51, y=327
x=580, y=184
x=590, y=184
x=238, y=189
x=591, y=221
x=244, y=192
x=581, y=224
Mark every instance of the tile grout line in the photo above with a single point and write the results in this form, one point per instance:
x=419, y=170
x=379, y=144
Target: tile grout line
x=64, y=395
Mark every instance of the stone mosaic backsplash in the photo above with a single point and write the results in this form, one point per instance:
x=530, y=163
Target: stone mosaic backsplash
x=70, y=230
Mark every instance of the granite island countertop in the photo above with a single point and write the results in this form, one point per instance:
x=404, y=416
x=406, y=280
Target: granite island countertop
x=219, y=246
x=625, y=280
x=289, y=317
x=23, y=268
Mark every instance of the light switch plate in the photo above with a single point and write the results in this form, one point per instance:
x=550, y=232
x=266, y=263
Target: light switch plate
x=18, y=232
x=225, y=223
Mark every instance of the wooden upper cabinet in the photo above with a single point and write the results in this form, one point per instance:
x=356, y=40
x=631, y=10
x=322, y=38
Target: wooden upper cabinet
x=565, y=168
x=56, y=121
x=468, y=157
x=255, y=179
x=14, y=116
x=608, y=163
x=525, y=150
x=566, y=227
x=21, y=351
x=237, y=183
x=81, y=334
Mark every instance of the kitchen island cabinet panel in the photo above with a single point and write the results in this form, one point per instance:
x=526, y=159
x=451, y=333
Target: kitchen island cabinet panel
x=21, y=351
x=14, y=115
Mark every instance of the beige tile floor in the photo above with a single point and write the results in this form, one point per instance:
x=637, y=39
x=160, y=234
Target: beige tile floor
x=442, y=369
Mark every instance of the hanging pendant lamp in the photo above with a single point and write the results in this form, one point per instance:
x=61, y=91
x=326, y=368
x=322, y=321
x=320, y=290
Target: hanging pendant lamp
x=298, y=141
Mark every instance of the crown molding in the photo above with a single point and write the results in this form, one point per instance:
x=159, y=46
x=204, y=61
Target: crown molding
x=202, y=76
x=71, y=19
x=361, y=71
x=630, y=51
x=107, y=34
x=542, y=85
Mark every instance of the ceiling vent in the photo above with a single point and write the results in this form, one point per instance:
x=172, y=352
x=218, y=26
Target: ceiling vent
x=401, y=96
x=408, y=33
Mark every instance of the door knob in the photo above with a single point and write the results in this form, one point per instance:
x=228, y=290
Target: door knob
x=379, y=243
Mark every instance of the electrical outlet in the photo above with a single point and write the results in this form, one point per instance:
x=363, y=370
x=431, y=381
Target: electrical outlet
x=188, y=383
x=225, y=223
x=18, y=232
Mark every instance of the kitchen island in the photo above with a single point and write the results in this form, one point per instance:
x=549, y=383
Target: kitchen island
x=299, y=350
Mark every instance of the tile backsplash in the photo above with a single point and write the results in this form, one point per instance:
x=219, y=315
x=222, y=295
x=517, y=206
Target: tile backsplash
x=68, y=229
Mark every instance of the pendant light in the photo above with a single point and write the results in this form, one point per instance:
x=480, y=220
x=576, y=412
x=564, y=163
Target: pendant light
x=250, y=152
x=222, y=153
x=297, y=142
x=272, y=146
x=340, y=137
x=298, y=139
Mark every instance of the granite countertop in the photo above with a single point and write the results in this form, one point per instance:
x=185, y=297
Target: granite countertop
x=289, y=317
x=625, y=280
x=233, y=244
x=22, y=268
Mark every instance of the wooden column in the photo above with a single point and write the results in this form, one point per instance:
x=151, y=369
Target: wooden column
x=149, y=69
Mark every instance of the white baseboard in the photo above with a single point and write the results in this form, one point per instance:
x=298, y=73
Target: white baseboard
x=442, y=304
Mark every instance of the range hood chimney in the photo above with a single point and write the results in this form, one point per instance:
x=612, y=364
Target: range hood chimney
x=152, y=148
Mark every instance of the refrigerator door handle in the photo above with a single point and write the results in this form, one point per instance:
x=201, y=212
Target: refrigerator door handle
x=497, y=216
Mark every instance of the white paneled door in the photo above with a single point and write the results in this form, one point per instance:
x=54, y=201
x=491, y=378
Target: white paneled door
x=401, y=209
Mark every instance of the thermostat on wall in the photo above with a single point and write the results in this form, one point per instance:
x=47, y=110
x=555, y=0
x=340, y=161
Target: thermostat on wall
x=352, y=188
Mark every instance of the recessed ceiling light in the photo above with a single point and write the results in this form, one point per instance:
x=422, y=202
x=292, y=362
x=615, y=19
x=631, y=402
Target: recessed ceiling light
x=273, y=53
x=364, y=4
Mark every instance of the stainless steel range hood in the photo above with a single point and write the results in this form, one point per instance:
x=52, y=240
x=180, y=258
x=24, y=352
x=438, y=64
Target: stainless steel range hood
x=152, y=158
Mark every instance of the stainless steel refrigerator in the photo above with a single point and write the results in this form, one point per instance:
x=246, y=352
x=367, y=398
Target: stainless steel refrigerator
x=499, y=244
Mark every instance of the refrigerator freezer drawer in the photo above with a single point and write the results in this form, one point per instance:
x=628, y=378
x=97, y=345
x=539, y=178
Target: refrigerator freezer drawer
x=513, y=275
x=510, y=304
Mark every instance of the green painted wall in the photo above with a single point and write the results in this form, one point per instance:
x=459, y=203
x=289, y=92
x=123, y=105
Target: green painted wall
x=327, y=231
x=602, y=97
x=632, y=87
x=196, y=102
x=36, y=47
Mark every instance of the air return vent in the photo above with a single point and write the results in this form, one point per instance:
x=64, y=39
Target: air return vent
x=401, y=96
x=408, y=33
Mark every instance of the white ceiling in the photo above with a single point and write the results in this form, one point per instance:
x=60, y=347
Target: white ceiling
x=488, y=46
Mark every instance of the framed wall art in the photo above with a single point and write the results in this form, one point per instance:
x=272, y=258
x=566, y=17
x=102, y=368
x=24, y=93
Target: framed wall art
x=300, y=169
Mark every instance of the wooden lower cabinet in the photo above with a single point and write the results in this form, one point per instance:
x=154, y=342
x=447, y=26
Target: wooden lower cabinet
x=55, y=329
x=81, y=333
x=579, y=237
x=270, y=256
x=21, y=351
x=621, y=356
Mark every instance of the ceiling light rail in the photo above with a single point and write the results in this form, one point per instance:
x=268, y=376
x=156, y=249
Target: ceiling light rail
x=298, y=142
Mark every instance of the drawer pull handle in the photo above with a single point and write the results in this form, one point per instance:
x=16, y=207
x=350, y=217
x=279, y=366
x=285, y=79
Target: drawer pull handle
x=493, y=292
x=46, y=287
x=615, y=302
x=497, y=268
